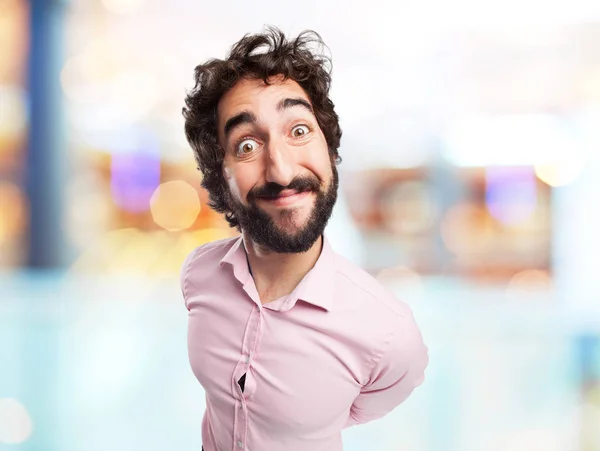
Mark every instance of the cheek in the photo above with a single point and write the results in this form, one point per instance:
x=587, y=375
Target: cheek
x=321, y=167
x=230, y=180
x=322, y=161
x=239, y=182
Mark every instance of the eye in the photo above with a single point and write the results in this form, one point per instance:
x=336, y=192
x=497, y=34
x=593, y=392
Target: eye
x=246, y=146
x=299, y=131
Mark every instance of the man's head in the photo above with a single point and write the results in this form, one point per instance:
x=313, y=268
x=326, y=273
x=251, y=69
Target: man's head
x=266, y=137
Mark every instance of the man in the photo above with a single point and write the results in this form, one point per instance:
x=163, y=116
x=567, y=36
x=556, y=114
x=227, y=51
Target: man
x=291, y=342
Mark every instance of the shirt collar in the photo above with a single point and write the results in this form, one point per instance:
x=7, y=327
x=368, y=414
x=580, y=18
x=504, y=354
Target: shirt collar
x=236, y=257
x=315, y=288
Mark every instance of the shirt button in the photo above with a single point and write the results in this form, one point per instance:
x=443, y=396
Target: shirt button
x=239, y=444
x=247, y=359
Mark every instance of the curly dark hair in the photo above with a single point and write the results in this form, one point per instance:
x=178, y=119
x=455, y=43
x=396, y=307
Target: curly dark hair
x=292, y=59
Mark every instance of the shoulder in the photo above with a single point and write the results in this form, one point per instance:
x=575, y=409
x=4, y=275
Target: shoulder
x=212, y=251
x=354, y=280
x=206, y=256
x=387, y=322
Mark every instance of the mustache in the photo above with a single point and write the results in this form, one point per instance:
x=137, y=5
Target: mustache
x=299, y=184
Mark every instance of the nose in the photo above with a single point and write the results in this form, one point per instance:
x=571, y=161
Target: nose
x=280, y=165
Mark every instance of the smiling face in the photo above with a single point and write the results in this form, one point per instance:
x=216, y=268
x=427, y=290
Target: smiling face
x=282, y=181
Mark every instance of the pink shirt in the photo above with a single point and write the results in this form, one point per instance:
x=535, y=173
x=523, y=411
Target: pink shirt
x=339, y=350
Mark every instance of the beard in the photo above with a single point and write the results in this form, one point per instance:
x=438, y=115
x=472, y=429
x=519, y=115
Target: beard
x=262, y=229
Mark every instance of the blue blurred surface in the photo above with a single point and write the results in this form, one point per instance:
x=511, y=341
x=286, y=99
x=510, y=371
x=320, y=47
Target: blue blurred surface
x=101, y=363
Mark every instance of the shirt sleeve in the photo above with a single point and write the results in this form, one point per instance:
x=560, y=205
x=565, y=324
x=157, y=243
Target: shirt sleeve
x=398, y=371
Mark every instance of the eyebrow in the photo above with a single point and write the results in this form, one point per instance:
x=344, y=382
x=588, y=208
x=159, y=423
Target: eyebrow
x=289, y=103
x=245, y=117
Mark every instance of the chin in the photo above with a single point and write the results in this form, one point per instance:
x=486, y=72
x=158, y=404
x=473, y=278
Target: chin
x=292, y=225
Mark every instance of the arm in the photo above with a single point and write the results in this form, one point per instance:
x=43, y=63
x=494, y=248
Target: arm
x=398, y=370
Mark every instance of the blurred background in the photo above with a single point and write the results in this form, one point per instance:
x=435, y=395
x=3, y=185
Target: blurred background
x=470, y=186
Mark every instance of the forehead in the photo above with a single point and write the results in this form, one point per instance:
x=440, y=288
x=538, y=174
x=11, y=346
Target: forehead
x=254, y=95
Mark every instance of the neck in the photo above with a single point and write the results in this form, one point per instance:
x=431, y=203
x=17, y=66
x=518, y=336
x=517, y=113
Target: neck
x=276, y=275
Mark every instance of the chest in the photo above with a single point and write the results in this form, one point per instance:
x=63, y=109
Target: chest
x=298, y=370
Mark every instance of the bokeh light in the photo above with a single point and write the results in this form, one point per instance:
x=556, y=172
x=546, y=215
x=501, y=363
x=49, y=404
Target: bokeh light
x=102, y=76
x=134, y=177
x=530, y=280
x=175, y=205
x=13, y=38
x=130, y=250
x=560, y=174
x=507, y=140
x=466, y=229
x=13, y=208
x=511, y=194
x=15, y=424
x=13, y=114
x=408, y=207
x=210, y=234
